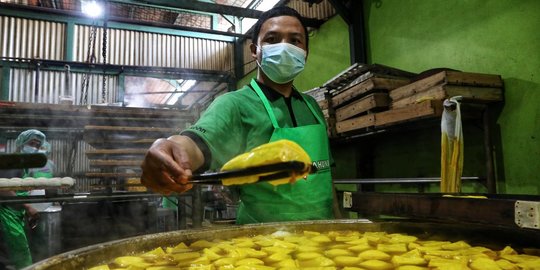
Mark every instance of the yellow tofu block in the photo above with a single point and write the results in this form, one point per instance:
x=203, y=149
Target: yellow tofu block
x=402, y=238
x=349, y=238
x=185, y=256
x=238, y=253
x=456, y=246
x=532, y=264
x=162, y=268
x=285, y=244
x=347, y=260
x=254, y=267
x=155, y=253
x=519, y=258
x=253, y=253
x=338, y=246
x=507, y=251
x=478, y=250
x=308, y=255
x=316, y=262
x=374, y=240
x=360, y=248
x=321, y=239
x=376, y=265
x=506, y=265
x=200, y=244
x=393, y=248
x=225, y=261
x=196, y=267
x=374, y=255
x=126, y=261
x=432, y=243
x=287, y=263
x=264, y=243
x=249, y=261
x=402, y=260
x=331, y=253
x=225, y=267
x=302, y=248
x=411, y=267
x=294, y=239
x=211, y=254
x=359, y=241
x=273, y=250
x=484, y=264
x=442, y=253
x=413, y=253
x=276, y=257
x=449, y=264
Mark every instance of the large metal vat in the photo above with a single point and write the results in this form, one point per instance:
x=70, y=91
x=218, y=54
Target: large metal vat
x=494, y=237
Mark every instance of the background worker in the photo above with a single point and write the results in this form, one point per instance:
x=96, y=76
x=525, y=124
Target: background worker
x=266, y=110
x=12, y=217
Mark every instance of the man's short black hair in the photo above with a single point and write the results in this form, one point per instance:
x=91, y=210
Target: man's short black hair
x=276, y=12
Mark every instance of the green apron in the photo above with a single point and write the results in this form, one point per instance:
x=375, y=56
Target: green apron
x=12, y=222
x=308, y=199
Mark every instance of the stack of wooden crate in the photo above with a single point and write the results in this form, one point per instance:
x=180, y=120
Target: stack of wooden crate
x=379, y=100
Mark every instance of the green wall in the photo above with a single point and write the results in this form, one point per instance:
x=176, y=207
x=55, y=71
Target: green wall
x=485, y=36
x=328, y=55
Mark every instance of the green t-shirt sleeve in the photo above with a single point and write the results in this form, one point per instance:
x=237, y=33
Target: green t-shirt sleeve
x=221, y=129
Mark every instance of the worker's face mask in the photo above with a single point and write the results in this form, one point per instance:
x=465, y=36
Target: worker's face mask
x=27, y=149
x=282, y=62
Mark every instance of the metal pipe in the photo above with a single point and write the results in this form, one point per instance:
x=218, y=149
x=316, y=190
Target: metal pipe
x=397, y=180
x=36, y=84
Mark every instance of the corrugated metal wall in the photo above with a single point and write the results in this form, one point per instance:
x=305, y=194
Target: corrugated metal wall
x=127, y=47
x=51, y=85
x=26, y=38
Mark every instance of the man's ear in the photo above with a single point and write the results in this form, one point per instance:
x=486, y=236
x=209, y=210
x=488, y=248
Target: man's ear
x=253, y=49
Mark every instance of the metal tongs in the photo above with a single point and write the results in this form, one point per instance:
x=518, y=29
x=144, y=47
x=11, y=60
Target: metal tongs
x=276, y=171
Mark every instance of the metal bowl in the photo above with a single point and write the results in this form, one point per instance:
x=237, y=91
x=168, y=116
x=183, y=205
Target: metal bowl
x=493, y=237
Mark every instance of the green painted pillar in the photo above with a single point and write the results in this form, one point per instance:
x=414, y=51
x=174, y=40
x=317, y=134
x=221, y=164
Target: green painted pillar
x=69, y=42
x=4, y=86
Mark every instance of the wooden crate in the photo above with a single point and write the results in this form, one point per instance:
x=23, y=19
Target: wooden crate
x=367, y=103
x=356, y=123
x=366, y=87
x=425, y=109
x=455, y=78
x=443, y=91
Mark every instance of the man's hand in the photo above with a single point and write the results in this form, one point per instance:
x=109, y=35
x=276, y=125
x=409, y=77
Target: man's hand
x=32, y=215
x=167, y=165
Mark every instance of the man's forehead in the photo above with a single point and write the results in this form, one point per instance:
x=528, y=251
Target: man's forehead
x=282, y=24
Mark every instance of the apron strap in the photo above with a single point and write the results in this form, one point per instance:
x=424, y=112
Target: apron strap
x=269, y=110
x=267, y=106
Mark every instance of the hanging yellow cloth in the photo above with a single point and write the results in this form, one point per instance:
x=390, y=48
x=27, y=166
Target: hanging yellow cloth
x=451, y=146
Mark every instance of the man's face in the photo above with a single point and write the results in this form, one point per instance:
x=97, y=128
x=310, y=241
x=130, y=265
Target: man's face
x=286, y=29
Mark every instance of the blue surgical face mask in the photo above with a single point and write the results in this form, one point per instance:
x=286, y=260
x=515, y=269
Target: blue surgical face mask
x=282, y=62
x=27, y=149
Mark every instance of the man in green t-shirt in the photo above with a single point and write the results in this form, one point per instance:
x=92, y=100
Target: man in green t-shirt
x=266, y=110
